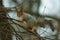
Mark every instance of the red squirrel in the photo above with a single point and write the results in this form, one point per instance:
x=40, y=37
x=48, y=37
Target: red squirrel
x=23, y=18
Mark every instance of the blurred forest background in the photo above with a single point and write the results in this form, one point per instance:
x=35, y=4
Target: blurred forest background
x=29, y=19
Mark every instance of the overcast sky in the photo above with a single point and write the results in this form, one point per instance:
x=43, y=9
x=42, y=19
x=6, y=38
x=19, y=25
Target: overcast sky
x=50, y=7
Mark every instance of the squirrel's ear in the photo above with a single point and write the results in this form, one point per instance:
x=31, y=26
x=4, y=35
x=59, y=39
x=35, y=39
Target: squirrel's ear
x=19, y=11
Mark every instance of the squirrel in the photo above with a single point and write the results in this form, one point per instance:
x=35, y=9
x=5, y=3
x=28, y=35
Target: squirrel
x=26, y=19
